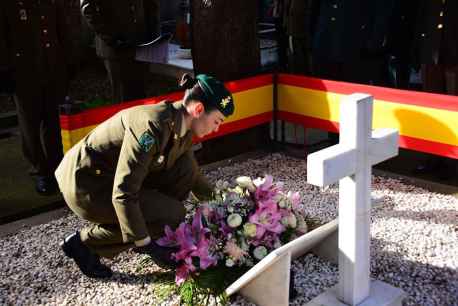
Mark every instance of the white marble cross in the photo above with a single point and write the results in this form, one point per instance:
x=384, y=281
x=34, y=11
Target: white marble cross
x=350, y=162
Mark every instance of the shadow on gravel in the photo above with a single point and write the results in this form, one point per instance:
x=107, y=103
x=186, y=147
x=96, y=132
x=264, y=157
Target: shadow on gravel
x=425, y=284
x=436, y=216
x=139, y=278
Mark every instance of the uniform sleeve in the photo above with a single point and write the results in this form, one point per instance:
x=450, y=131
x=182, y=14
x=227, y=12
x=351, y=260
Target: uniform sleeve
x=135, y=157
x=93, y=14
x=201, y=188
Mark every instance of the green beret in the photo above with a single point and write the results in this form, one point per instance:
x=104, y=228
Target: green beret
x=216, y=94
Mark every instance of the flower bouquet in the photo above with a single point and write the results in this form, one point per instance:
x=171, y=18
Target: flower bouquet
x=224, y=237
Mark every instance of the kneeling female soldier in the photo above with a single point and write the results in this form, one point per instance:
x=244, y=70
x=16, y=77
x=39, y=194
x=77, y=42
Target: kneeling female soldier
x=130, y=174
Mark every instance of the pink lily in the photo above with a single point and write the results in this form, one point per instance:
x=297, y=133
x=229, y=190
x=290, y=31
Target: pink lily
x=267, y=218
x=170, y=239
x=202, y=251
x=295, y=198
x=266, y=189
x=182, y=273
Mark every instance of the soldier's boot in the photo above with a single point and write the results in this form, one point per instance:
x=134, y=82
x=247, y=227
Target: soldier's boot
x=88, y=262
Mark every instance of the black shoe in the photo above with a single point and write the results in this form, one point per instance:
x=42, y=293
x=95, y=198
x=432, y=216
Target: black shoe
x=46, y=185
x=88, y=262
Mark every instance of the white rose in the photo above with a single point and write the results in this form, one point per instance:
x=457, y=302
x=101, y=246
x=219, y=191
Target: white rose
x=259, y=181
x=246, y=182
x=292, y=221
x=229, y=262
x=260, y=252
x=234, y=220
x=249, y=230
x=282, y=204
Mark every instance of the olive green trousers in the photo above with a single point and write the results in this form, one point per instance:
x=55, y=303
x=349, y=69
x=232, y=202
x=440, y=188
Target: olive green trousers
x=160, y=201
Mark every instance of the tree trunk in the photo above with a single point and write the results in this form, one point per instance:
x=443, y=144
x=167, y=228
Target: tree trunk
x=225, y=44
x=224, y=38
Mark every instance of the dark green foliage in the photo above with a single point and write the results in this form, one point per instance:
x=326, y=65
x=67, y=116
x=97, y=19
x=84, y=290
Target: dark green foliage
x=210, y=284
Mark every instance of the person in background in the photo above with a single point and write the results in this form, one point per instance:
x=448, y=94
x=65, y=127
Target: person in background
x=400, y=43
x=349, y=42
x=436, y=51
x=33, y=54
x=129, y=176
x=120, y=26
x=277, y=10
x=299, y=20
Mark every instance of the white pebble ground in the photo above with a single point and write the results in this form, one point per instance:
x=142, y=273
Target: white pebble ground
x=414, y=247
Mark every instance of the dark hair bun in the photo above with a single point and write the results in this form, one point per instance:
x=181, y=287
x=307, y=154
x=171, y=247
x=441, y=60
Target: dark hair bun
x=187, y=81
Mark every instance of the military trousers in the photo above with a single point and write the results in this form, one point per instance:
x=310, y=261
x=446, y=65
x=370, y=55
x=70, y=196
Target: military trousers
x=127, y=79
x=38, y=117
x=161, y=203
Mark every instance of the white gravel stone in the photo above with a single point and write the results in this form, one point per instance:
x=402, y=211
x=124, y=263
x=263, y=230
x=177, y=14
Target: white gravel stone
x=414, y=247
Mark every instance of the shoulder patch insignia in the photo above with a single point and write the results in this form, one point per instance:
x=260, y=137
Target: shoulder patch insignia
x=146, y=141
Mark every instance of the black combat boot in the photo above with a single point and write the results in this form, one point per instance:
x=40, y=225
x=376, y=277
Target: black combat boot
x=88, y=262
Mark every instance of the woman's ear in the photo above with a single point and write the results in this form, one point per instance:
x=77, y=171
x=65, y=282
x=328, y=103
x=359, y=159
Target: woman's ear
x=196, y=109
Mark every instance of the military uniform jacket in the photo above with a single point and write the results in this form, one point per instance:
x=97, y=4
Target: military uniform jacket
x=120, y=154
x=346, y=29
x=121, y=24
x=436, y=39
x=32, y=41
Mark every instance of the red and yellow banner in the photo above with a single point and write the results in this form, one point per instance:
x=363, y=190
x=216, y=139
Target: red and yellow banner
x=253, y=98
x=426, y=122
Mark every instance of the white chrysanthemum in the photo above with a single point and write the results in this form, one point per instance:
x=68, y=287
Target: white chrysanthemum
x=234, y=220
x=229, y=262
x=246, y=182
x=260, y=252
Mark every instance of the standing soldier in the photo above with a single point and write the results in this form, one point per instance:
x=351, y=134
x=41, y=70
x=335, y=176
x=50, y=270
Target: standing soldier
x=436, y=48
x=32, y=50
x=400, y=40
x=130, y=174
x=121, y=25
x=349, y=42
x=299, y=19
